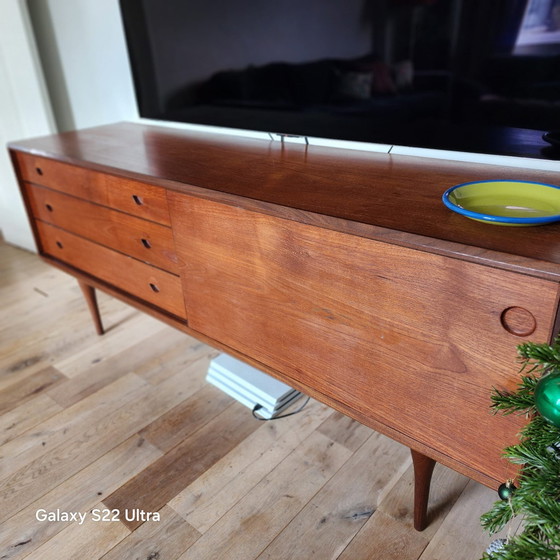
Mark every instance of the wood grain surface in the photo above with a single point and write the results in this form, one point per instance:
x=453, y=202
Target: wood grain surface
x=139, y=238
x=146, y=282
x=133, y=197
x=410, y=339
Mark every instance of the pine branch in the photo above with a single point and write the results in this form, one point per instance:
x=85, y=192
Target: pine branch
x=527, y=546
x=541, y=433
x=497, y=518
x=522, y=401
x=539, y=356
x=537, y=498
x=531, y=454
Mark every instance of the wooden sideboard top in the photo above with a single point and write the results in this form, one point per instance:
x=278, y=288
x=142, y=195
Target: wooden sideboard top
x=393, y=198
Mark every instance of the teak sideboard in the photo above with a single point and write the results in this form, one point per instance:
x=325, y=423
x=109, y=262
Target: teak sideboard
x=339, y=272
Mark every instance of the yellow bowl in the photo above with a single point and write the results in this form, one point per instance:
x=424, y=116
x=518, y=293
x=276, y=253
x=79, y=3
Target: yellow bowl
x=507, y=203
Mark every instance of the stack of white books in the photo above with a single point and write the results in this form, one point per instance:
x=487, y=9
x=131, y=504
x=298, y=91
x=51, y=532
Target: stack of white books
x=250, y=386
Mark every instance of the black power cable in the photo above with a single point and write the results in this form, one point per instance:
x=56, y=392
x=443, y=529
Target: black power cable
x=259, y=406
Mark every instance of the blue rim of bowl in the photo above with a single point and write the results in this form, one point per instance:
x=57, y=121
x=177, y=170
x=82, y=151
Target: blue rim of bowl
x=492, y=217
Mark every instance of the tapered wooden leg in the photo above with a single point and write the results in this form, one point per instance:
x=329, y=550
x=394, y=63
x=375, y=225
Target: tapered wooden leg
x=423, y=470
x=91, y=299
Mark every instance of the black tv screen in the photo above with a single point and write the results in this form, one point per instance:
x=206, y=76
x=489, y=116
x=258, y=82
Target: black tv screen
x=479, y=76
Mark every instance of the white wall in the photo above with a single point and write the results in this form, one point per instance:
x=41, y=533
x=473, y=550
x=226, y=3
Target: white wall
x=24, y=112
x=83, y=51
x=63, y=66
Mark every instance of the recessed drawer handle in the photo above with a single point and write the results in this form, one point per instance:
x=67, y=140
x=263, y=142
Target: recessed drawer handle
x=49, y=207
x=146, y=243
x=59, y=245
x=39, y=171
x=137, y=200
x=518, y=321
x=154, y=287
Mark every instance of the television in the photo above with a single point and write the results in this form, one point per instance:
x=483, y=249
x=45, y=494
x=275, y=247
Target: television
x=480, y=76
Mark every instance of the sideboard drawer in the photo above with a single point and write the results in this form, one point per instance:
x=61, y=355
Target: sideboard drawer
x=141, y=280
x=142, y=239
x=140, y=199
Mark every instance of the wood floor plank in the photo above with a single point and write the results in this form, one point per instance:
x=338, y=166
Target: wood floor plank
x=63, y=461
x=218, y=489
x=186, y=355
x=26, y=416
x=172, y=428
x=23, y=390
x=66, y=425
x=391, y=529
x=106, y=370
x=325, y=526
x=38, y=312
x=459, y=534
x=397, y=540
x=46, y=329
x=106, y=348
x=345, y=431
x=163, y=480
x=16, y=265
x=166, y=539
x=92, y=538
x=446, y=489
x=24, y=533
x=38, y=347
x=245, y=530
x=38, y=286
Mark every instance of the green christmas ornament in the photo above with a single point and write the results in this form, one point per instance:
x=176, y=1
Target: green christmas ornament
x=547, y=397
x=506, y=490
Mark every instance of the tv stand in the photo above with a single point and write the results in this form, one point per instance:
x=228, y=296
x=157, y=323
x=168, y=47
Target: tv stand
x=339, y=272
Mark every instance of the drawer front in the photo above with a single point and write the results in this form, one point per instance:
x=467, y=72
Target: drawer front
x=140, y=199
x=143, y=281
x=144, y=240
x=412, y=340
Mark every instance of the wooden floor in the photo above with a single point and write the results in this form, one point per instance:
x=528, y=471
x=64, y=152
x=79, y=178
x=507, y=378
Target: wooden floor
x=121, y=430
